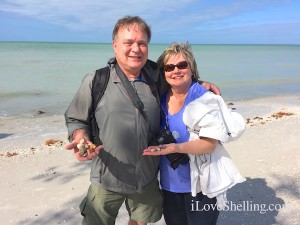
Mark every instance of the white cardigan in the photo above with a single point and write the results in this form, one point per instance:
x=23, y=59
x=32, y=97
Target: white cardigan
x=214, y=173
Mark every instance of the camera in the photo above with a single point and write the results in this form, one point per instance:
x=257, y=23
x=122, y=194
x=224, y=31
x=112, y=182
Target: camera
x=166, y=137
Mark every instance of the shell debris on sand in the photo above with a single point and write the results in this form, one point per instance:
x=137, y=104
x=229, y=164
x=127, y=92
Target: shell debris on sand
x=52, y=142
x=261, y=121
x=9, y=154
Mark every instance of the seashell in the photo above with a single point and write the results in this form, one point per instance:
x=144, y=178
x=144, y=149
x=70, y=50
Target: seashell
x=84, y=148
x=81, y=147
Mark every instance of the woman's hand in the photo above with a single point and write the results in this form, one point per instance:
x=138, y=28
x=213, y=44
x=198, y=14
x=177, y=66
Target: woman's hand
x=161, y=149
x=201, y=145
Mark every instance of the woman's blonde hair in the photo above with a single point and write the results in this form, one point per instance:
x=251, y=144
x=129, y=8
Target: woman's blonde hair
x=185, y=50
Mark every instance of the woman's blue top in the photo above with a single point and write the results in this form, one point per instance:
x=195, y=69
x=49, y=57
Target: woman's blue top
x=178, y=180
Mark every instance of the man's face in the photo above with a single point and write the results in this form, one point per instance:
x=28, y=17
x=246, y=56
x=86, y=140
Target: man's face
x=131, y=50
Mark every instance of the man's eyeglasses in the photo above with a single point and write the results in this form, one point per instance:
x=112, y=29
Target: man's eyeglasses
x=181, y=65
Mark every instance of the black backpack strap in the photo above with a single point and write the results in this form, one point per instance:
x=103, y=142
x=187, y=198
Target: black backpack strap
x=99, y=85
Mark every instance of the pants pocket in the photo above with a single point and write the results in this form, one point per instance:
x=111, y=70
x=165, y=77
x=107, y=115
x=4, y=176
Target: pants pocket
x=82, y=206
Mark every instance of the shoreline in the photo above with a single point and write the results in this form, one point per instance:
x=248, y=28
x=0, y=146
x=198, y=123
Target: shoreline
x=37, y=106
x=27, y=131
x=44, y=184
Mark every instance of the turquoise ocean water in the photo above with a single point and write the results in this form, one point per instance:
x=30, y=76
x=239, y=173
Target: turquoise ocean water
x=45, y=76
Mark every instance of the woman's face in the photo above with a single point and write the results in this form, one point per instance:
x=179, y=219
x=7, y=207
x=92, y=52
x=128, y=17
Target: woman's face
x=178, y=77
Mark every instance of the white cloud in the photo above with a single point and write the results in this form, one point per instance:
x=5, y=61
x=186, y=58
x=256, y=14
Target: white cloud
x=87, y=14
x=170, y=20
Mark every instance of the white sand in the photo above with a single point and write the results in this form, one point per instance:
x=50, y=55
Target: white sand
x=45, y=184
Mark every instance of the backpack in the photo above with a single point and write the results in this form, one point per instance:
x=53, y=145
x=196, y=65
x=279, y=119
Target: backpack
x=99, y=85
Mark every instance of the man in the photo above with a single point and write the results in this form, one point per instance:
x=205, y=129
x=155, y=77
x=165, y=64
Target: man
x=119, y=171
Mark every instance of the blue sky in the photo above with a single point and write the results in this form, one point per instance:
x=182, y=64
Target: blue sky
x=199, y=22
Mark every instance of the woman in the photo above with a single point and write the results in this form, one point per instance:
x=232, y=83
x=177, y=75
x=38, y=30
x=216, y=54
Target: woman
x=180, y=207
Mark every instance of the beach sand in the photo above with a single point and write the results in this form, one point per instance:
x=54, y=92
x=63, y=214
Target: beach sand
x=43, y=184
